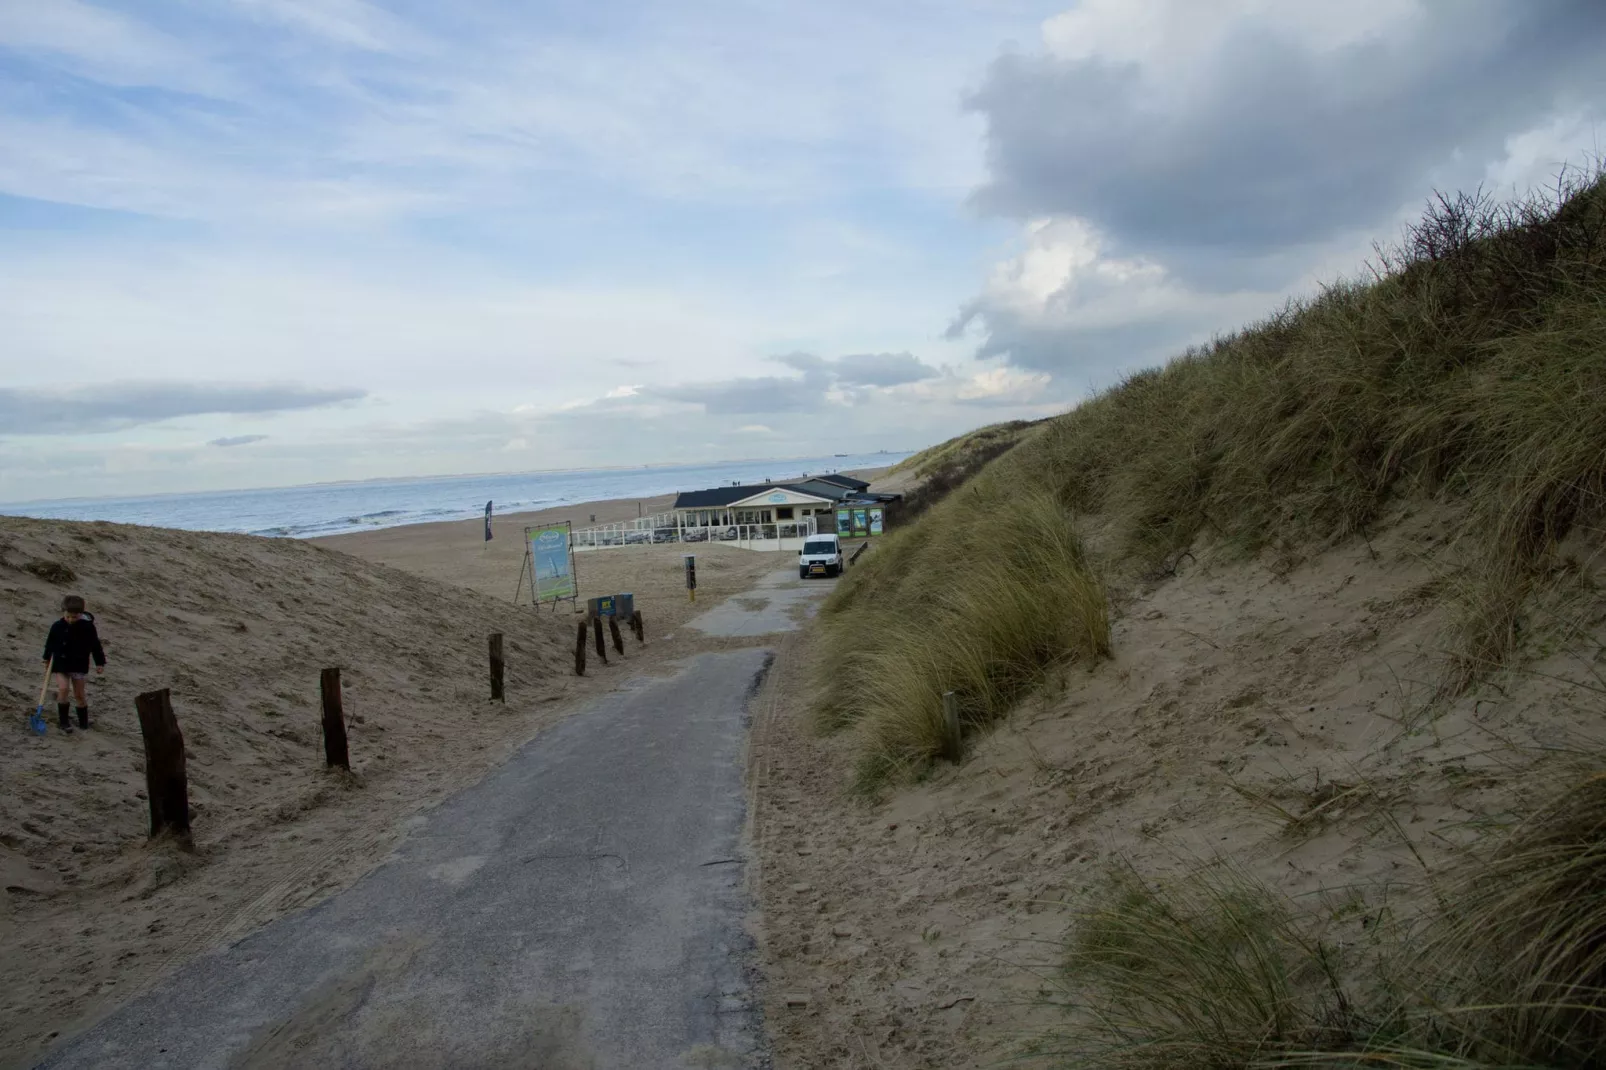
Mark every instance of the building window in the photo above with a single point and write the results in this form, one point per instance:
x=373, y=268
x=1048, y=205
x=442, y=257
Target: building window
x=784, y=513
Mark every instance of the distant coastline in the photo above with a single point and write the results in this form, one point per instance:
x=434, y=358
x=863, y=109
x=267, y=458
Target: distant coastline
x=317, y=509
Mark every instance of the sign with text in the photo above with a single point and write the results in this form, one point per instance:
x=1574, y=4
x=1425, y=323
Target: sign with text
x=551, y=564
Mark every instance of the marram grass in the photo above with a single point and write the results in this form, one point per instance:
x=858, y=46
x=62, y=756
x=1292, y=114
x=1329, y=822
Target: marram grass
x=1471, y=368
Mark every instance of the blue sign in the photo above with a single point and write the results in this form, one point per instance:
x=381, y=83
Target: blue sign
x=778, y=498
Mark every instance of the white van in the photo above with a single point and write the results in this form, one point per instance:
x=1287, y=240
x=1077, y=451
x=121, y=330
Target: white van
x=821, y=556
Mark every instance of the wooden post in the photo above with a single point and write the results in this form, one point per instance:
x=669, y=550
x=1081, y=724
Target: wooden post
x=602, y=649
x=166, y=786
x=334, y=720
x=950, y=720
x=496, y=668
x=618, y=640
x=639, y=626
x=580, y=650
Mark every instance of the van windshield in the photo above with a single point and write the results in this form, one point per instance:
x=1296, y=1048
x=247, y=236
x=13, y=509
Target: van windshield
x=819, y=546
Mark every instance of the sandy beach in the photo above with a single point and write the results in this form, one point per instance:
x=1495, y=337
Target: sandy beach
x=456, y=553
x=238, y=627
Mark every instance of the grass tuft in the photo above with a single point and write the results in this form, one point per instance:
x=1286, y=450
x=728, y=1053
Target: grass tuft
x=1522, y=951
x=1215, y=970
x=1468, y=367
x=1004, y=594
x=1210, y=971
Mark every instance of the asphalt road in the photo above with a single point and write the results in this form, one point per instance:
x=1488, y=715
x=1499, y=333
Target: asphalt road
x=779, y=603
x=581, y=907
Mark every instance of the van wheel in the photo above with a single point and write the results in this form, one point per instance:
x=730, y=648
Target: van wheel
x=833, y=570
x=802, y=573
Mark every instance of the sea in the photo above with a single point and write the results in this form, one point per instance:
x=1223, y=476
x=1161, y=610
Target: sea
x=335, y=508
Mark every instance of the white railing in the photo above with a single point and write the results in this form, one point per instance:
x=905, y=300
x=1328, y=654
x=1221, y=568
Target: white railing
x=783, y=535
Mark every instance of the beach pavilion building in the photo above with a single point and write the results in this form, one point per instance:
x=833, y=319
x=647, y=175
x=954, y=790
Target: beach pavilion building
x=767, y=503
x=776, y=515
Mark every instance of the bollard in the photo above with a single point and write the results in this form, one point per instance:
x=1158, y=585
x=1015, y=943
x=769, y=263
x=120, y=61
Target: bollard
x=334, y=720
x=166, y=786
x=496, y=668
x=950, y=721
x=602, y=651
x=639, y=626
x=580, y=651
x=618, y=640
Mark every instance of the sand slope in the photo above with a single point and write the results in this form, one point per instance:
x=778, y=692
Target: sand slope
x=238, y=628
x=1274, y=716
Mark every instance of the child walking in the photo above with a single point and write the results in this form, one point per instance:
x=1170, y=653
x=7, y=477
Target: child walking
x=71, y=643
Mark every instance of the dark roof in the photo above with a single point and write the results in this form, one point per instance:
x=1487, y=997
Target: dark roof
x=830, y=486
x=824, y=487
x=718, y=497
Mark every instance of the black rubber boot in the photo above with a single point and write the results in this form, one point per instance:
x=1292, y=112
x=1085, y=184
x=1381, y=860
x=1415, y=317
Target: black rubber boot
x=61, y=716
x=83, y=717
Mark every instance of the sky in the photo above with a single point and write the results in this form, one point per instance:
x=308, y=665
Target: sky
x=263, y=242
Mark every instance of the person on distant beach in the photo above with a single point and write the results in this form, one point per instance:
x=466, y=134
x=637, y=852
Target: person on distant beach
x=73, y=640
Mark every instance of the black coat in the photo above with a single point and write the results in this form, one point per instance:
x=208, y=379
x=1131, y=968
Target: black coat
x=70, y=646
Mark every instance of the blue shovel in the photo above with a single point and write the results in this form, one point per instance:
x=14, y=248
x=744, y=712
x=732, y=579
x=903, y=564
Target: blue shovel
x=37, y=721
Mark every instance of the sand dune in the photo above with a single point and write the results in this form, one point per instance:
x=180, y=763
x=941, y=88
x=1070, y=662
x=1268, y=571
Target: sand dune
x=1279, y=718
x=238, y=628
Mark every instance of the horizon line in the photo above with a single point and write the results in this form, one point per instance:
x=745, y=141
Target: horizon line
x=401, y=479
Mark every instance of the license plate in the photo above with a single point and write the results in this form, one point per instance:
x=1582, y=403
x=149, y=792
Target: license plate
x=820, y=569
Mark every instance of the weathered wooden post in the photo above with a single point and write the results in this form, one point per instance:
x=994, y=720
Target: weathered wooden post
x=580, y=650
x=639, y=626
x=496, y=668
x=602, y=650
x=334, y=720
x=618, y=640
x=950, y=721
x=166, y=786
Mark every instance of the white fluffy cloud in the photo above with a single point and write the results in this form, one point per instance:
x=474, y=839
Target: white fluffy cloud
x=1180, y=166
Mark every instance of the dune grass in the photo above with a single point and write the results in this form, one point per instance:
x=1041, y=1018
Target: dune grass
x=1214, y=970
x=1467, y=367
x=1003, y=593
x=957, y=452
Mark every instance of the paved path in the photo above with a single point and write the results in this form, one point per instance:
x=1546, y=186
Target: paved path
x=581, y=907
x=780, y=603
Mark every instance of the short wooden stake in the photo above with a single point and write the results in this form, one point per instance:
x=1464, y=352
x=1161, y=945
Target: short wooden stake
x=950, y=721
x=602, y=649
x=166, y=785
x=580, y=650
x=618, y=640
x=496, y=668
x=639, y=626
x=334, y=720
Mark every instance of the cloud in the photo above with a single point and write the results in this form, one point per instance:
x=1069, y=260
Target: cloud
x=821, y=381
x=1249, y=126
x=237, y=440
x=748, y=396
x=1181, y=168
x=864, y=369
x=117, y=406
x=1063, y=303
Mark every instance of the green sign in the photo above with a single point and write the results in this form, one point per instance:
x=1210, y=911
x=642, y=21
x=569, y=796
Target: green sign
x=844, y=522
x=552, y=576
